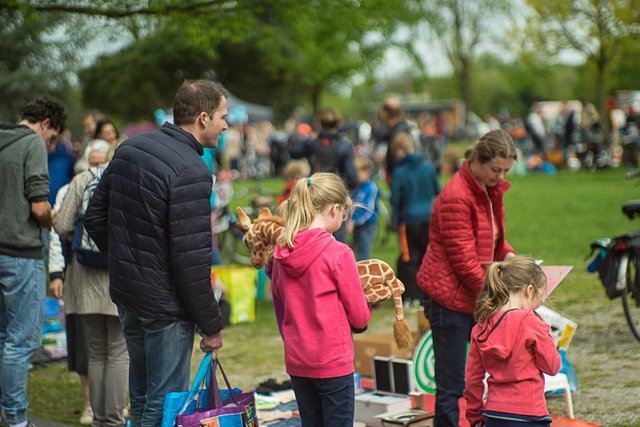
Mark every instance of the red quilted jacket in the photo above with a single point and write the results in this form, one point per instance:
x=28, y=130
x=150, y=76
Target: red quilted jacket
x=460, y=239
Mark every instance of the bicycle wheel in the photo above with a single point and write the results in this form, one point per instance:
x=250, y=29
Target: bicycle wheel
x=232, y=250
x=631, y=299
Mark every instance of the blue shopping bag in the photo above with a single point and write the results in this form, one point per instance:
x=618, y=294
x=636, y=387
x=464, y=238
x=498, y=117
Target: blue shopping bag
x=238, y=410
x=187, y=402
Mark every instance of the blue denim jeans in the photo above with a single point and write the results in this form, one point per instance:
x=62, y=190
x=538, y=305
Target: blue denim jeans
x=325, y=401
x=451, y=332
x=22, y=287
x=363, y=239
x=159, y=362
x=494, y=422
x=341, y=233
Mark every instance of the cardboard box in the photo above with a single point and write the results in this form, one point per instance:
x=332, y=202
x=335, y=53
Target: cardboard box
x=370, y=405
x=368, y=346
x=410, y=418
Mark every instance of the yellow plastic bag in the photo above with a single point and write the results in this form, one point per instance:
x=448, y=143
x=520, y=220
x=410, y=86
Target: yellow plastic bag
x=240, y=290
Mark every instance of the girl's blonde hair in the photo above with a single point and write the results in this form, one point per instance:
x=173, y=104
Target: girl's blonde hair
x=506, y=278
x=310, y=196
x=362, y=163
x=296, y=169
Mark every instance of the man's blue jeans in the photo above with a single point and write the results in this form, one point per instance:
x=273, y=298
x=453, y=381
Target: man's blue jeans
x=22, y=287
x=159, y=362
x=325, y=401
x=451, y=332
x=363, y=239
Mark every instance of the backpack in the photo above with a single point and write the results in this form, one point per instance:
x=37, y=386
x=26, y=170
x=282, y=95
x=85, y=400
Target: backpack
x=85, y=249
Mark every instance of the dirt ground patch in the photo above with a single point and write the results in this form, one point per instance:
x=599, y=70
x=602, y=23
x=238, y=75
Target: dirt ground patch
x=606, y=357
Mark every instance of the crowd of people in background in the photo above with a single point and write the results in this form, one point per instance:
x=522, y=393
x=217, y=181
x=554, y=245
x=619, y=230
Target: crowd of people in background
x=552, y=135
x=408, y=152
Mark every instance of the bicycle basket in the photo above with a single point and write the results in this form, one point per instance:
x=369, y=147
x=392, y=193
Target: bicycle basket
x=608, y=270
x=612, y=269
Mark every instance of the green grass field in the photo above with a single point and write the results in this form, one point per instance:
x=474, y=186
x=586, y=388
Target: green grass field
x=554, y=218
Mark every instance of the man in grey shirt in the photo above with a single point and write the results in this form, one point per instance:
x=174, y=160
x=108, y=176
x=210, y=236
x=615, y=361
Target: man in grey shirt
x=25, y=212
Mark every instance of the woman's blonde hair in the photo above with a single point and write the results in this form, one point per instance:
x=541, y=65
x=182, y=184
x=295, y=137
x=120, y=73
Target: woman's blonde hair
x=310, y=196
x=496, y=143
x=112, y=149
x=506, y=278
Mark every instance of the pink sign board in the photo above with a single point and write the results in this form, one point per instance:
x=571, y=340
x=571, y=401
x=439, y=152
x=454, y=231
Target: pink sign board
x=555, y=274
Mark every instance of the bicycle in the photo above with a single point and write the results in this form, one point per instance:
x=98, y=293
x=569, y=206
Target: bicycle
x=618, y=265
x=385, y=227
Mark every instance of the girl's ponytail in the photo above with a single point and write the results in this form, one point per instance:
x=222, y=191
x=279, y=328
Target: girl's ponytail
x=300, y=212
x=494, y=295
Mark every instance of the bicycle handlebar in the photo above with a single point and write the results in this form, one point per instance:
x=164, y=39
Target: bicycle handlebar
x=632, y=174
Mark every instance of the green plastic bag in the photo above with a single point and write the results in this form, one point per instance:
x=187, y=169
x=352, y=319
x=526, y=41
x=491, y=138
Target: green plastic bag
x=240, y=289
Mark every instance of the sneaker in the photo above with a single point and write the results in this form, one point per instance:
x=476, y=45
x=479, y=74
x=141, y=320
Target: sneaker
x=86, y=419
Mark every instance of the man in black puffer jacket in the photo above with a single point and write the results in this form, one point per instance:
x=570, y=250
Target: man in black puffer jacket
x=151, y=215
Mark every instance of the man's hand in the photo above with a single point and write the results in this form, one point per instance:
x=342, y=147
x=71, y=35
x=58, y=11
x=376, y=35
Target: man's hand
x=41, y=211
x=211, y=342
x=55, y=287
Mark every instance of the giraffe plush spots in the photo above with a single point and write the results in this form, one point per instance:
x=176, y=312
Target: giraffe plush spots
x=377, y=278
x=380, y=283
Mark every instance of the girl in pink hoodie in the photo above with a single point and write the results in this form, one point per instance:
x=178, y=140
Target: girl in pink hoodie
x=316, y=279
x=512, y=346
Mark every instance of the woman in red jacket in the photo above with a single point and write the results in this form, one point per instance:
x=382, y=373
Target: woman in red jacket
x=466, y=234
x=513, y=346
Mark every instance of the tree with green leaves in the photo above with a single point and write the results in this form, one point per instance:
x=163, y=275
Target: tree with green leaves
x=462, y=27
x=305, y=47
x=595, y=28
x=33, y=62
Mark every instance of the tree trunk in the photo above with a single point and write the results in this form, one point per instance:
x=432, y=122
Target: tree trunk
x=316, y=92
x=601, y=86
x=465, y=86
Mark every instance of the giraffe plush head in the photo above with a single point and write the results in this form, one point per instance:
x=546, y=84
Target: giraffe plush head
x=377, y=278
x=260, y=237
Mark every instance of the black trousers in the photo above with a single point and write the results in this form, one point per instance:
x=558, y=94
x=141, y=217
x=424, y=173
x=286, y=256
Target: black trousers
x=407, y=271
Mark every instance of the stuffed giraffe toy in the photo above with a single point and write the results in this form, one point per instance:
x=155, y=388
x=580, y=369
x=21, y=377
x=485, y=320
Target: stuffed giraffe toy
x=377, y=278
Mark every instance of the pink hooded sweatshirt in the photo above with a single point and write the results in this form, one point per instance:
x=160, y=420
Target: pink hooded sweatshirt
x=514, y=347
x=318, y=284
